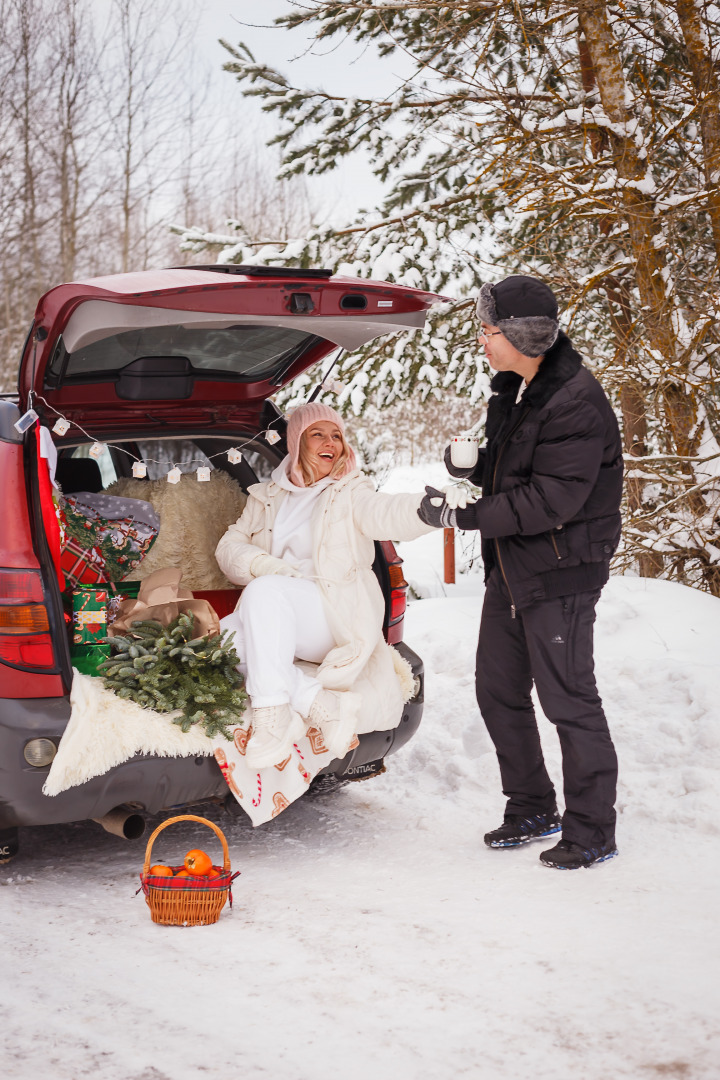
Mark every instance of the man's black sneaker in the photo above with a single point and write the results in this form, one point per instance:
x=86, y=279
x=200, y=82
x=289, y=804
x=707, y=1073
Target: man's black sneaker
x=567, y=855
x=517, y=830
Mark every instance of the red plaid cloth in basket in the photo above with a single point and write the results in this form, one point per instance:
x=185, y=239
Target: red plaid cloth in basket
x=194, y=884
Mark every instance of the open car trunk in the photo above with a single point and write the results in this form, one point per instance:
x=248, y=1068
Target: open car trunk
x=193, y=517
x=143, y=362
x=144, y=367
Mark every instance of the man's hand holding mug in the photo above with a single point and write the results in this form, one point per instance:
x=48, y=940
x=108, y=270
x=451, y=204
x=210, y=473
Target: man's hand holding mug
x=464, y=451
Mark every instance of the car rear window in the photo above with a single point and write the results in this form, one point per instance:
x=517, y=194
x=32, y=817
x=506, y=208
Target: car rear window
x=251, y=353
x=161, y=455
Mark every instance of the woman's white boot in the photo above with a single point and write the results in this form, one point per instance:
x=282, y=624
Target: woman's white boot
x=274, y=730
x=335, y=712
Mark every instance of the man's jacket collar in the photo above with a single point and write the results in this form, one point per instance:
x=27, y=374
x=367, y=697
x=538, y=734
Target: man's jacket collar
x=559, y=365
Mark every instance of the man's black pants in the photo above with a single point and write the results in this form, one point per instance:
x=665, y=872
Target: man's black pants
x=549, y=643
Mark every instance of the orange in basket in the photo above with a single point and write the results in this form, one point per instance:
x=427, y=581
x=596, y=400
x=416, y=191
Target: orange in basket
x=198, y=862
x=185, y=900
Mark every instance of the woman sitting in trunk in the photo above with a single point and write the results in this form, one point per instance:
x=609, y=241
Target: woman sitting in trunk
x=303, y=551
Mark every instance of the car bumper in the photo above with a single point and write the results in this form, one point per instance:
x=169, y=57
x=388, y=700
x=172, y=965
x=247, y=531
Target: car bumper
x=146, y=783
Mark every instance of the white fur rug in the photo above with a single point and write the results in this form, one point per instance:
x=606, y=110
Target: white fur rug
x=105, y=730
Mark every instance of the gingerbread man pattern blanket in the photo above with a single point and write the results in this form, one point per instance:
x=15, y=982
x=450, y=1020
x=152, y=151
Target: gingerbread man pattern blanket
x=265, y=793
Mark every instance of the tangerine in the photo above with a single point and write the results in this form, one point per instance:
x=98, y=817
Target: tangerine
x=160, y=871
x=198, y=863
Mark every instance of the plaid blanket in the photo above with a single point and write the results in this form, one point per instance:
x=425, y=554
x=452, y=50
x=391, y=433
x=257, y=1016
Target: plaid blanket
x=82, y=565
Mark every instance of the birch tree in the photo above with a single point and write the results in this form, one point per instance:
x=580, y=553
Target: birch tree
x=90, y=146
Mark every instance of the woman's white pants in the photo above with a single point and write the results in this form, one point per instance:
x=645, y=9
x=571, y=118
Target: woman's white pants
x=280, y=619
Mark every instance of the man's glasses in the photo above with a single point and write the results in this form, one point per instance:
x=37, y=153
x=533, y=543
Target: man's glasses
x=484, y=334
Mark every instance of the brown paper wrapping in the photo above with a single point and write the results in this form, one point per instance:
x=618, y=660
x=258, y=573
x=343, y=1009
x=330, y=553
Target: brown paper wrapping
x=161, y=598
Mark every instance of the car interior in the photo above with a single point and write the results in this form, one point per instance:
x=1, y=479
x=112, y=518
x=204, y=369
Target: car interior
x=193, y=515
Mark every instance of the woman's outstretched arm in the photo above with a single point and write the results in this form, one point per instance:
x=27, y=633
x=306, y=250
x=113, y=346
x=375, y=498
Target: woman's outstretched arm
x=388, y=517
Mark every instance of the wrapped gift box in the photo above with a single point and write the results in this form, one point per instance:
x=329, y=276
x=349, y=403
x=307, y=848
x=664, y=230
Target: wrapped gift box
x=89, y=628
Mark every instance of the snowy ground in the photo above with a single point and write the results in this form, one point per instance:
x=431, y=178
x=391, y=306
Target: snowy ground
x=373, y=934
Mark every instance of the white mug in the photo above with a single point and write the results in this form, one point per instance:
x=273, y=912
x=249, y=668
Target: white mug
x=464, y=451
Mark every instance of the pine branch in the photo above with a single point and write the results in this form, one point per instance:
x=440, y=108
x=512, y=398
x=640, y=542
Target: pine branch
x=166, y=669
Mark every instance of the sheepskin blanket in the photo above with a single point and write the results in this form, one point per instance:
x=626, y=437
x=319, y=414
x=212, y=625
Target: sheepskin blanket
x=105, y=730
x=193, y=518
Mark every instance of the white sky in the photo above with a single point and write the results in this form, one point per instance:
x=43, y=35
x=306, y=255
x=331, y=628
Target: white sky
x=343, y=69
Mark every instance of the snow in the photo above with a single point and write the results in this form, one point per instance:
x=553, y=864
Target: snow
x=373, y=934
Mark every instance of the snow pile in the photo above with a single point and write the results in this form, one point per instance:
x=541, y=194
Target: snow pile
x=374, y=935
x=659, y=684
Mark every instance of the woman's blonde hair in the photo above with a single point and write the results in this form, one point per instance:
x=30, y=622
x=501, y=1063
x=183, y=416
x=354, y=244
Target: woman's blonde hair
x=339, y=468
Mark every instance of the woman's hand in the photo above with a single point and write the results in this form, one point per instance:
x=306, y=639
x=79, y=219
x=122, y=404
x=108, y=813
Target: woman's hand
x=268, y=564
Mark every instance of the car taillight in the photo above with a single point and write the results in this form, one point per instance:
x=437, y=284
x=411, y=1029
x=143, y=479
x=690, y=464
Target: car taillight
x=35, y=652
x=25, y=640
x=23, y=619
x=398, y=592
x=20, y=586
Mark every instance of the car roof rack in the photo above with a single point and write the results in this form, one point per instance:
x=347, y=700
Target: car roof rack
x=260, y=271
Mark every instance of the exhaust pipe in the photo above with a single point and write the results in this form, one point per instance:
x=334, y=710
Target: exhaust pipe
x=123, y=822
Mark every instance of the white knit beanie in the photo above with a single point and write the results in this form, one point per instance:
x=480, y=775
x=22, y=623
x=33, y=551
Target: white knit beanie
x=300, y=420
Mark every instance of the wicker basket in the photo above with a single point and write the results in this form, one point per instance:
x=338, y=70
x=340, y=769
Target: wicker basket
x=190, y=901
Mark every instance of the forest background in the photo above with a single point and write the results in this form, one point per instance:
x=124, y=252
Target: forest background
x=579, y=142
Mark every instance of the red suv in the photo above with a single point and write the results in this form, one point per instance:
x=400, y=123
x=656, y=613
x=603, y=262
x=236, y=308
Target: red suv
x=170, y=365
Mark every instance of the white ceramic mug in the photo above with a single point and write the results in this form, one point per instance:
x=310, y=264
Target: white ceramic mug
x=464, y=451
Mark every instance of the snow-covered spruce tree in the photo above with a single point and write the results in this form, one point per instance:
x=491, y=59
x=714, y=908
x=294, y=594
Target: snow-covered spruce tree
x=576, y=141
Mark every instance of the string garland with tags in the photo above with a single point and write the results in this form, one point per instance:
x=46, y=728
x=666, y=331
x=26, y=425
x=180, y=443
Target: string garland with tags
x=139, y=468
x=140, y=465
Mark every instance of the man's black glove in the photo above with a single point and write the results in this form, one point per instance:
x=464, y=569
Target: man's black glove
x=434, y=510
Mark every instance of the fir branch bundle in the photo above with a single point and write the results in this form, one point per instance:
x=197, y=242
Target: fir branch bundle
x=165, y=668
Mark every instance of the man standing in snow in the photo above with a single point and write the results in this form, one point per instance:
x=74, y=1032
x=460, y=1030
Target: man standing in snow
x=551, y=479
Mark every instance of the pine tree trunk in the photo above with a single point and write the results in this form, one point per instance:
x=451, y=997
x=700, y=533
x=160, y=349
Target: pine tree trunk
x=644, y=229
x=706, y=85
x=634, y=415
x=632, y=399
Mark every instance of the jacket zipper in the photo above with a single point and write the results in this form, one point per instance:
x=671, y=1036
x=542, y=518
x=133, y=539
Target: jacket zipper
x=513, y=610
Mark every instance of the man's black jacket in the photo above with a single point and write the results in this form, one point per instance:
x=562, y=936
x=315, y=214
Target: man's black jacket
x=551, y=477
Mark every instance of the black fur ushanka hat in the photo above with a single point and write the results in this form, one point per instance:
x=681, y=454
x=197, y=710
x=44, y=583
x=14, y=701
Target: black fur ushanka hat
x=524, y=309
